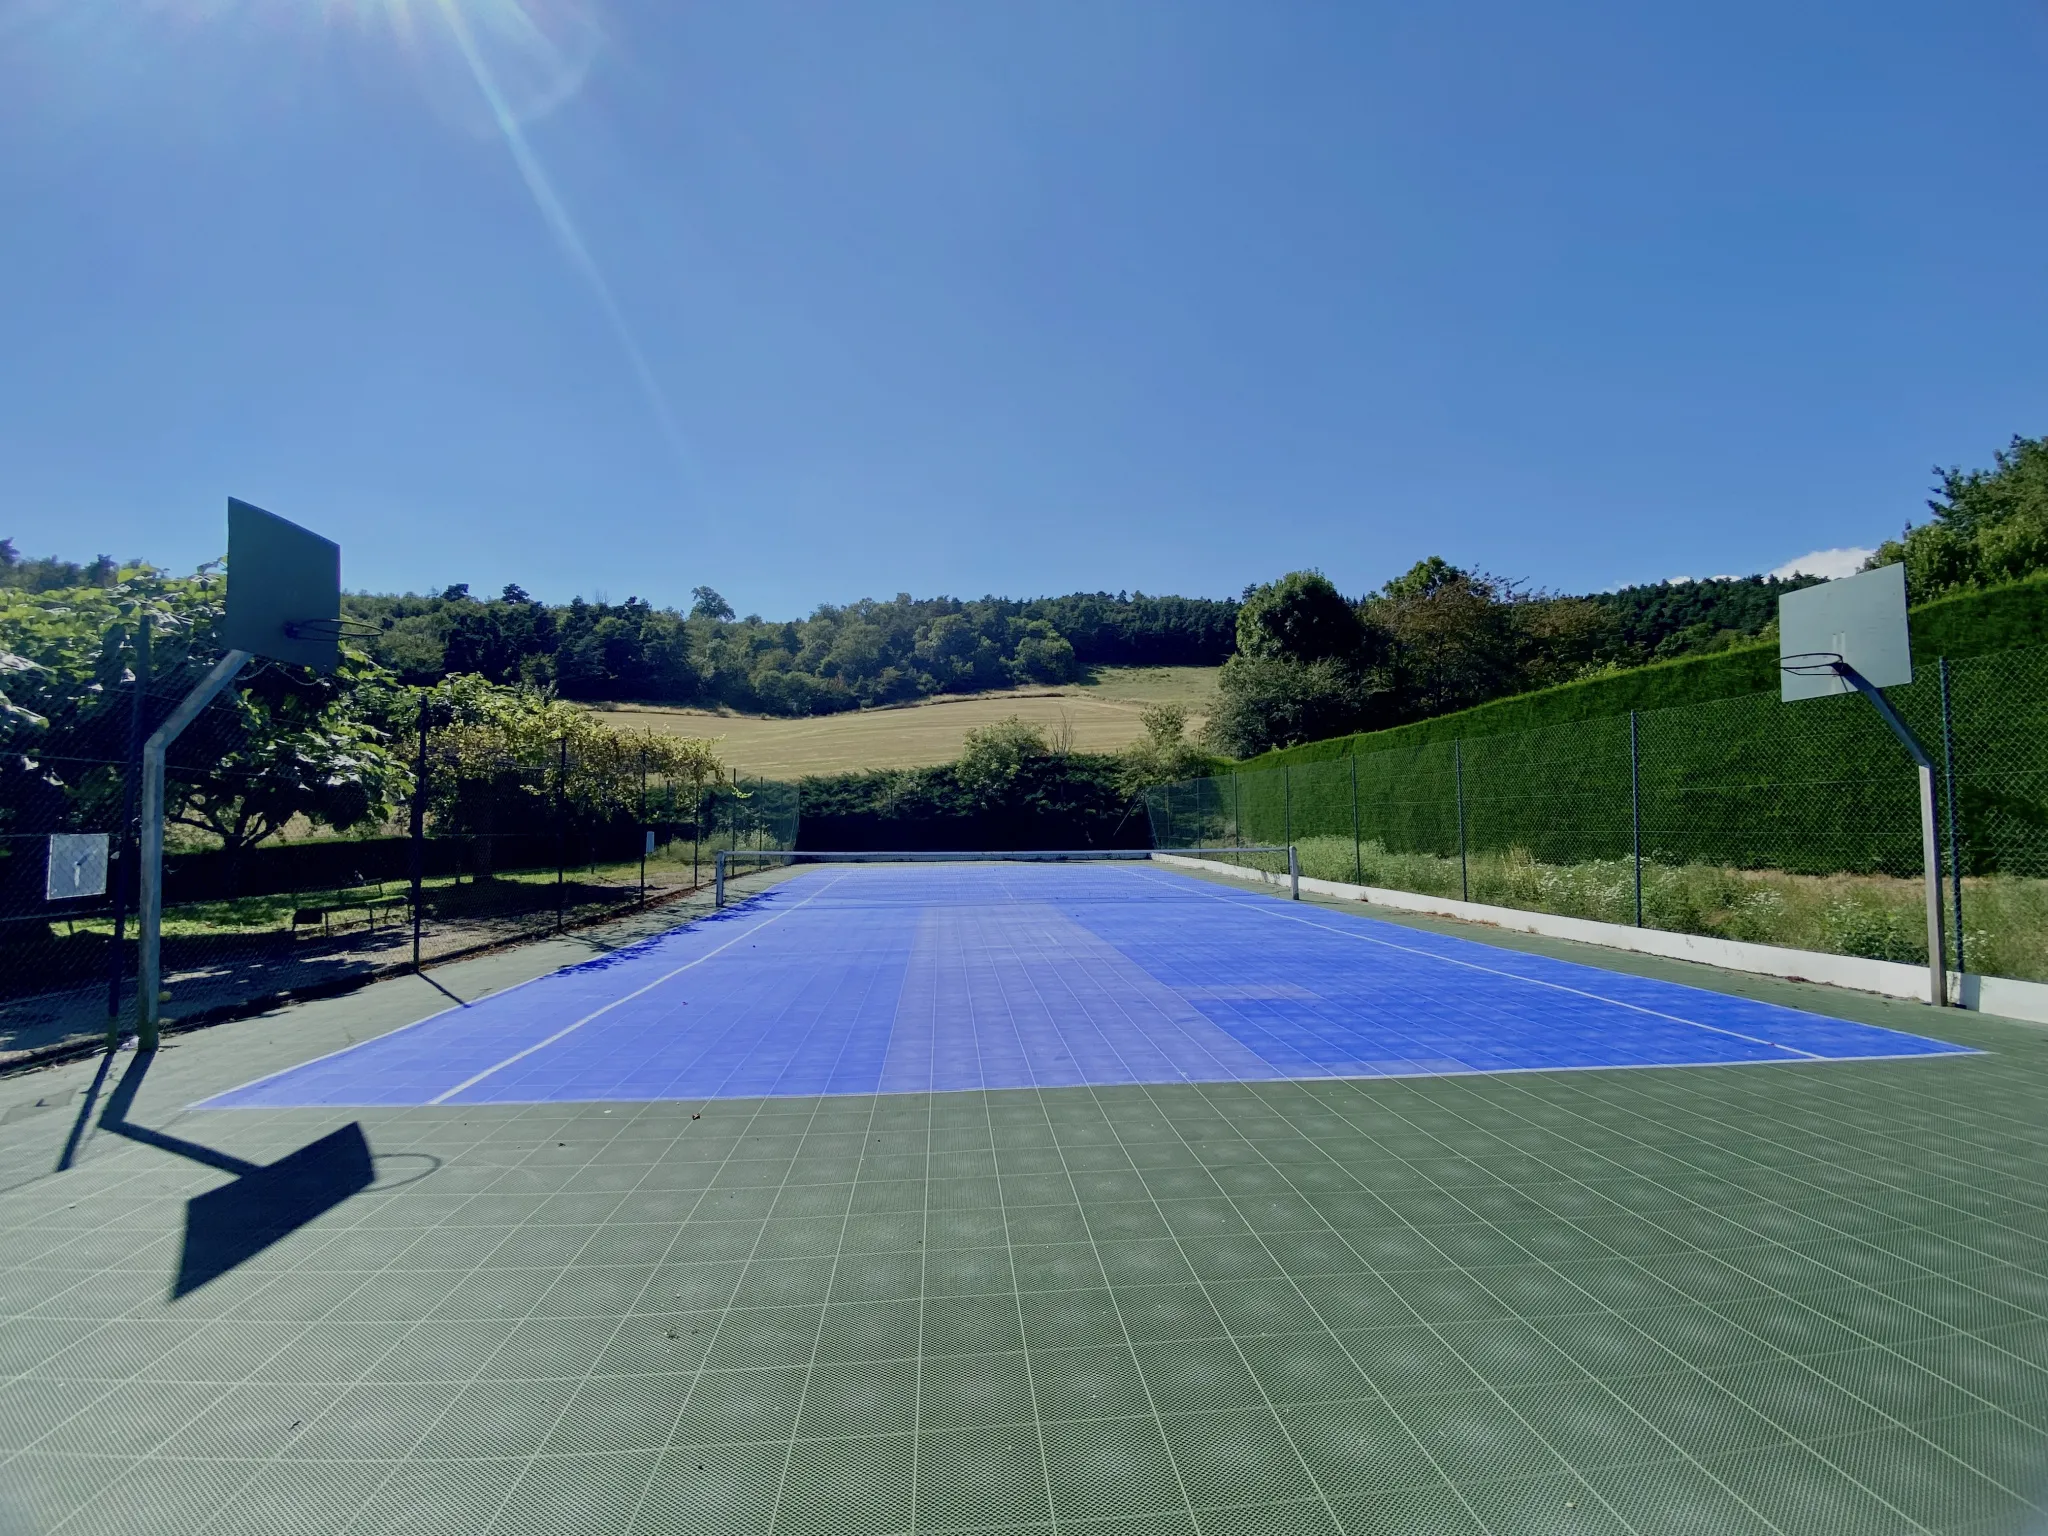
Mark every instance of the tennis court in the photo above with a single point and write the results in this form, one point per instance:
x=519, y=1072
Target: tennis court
x=907, y=978
x=998, y=1200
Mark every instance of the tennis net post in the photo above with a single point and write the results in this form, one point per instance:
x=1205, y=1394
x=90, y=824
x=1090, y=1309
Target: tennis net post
x=726, y=858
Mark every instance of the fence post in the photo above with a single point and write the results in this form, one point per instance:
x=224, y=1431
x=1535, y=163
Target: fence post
x=1635, y=809
x=1948, y=779
x=561, y=831
x=419, y=832
x=1458, y=774
x=1237, y=806
x=1287, y=802
x=125, y=850
x=1357, y=853
x=644, y=828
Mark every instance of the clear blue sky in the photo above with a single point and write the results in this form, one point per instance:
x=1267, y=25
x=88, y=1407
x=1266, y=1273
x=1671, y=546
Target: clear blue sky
x=1011, y=297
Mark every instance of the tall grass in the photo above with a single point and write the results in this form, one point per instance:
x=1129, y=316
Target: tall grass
x=1875, y=916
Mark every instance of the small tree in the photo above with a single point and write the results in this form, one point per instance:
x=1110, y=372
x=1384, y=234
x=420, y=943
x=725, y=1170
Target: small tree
x=1300, y=618
x=707, y=604
x=993, y=756
x=1165, y=754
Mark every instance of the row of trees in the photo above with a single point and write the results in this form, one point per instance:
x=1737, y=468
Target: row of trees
x=50, y=574
x=1312, y=663
x=285, y=745
x=841, y=657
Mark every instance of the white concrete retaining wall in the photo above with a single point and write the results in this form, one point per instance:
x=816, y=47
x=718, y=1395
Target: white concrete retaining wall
x=2025, y=1000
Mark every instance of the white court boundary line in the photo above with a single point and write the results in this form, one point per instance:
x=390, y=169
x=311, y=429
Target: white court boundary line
x=398, y=1029
x=211, y=1101
x=1556, y=986
x=569, y=1029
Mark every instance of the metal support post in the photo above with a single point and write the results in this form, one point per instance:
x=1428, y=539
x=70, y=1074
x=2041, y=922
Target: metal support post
x=419, y=832
x=1357, y=851
x=1287, y=794
x=718, y=880
x=1294, y=871
x=1635, y=808
x=645, y=830
x=1458, y=771
x=1930, y=836
x=149, y=963
x=561, y=832
x=1948, y=783
x=124, y=846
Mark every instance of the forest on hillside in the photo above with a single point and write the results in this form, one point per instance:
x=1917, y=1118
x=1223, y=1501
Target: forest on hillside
x=842, y=657
x=1303, y=660
x=868, y=653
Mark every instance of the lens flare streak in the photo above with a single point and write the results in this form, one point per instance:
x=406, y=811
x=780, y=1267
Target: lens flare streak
x=556, y=216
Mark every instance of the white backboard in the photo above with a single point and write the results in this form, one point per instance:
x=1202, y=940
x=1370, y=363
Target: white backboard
x=1860, y=619
x=77, y=867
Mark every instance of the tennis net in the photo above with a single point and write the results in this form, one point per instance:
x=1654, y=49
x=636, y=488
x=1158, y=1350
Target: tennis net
x=735, y=865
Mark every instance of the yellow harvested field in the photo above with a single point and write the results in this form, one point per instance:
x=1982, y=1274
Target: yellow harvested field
x=1097, y=716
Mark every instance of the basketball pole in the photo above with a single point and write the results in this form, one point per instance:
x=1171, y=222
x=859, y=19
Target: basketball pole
x=150, y=920
x=1930, y=838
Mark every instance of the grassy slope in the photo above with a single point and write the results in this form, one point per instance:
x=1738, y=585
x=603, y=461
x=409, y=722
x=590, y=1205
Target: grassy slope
x=1967, y=624
x=1102, y=713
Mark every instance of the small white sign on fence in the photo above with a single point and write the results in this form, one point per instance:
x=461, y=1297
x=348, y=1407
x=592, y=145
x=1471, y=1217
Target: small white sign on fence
x=78, y=866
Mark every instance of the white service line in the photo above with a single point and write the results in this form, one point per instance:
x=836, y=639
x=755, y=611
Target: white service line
x=1558, y=986
x=370, y=1040
x=567, y=1029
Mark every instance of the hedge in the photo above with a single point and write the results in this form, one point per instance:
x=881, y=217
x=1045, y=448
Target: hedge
x=1818, y=787
x=1964, y=625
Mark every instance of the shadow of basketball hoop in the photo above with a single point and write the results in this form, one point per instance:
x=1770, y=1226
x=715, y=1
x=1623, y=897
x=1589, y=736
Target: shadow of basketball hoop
x=228, y=1226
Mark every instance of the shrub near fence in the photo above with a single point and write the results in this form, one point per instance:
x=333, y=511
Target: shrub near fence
x=1067, y=800
x=1743, y=817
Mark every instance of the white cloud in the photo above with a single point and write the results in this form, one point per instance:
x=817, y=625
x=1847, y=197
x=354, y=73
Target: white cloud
x=1830, y=563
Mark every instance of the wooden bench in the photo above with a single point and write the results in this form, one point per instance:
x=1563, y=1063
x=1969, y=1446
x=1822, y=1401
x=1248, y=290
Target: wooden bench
x=398, y=907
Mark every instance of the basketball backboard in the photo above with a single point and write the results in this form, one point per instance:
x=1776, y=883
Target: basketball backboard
x=1860, y=620
x=284, y=590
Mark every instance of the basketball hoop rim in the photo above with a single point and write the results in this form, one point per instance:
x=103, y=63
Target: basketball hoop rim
x=329, y=629
x=1811, y=663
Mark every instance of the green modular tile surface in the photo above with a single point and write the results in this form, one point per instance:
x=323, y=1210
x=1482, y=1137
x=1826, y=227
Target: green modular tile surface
x=1797, y=1300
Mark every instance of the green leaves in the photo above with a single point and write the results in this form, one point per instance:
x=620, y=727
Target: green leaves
x=992, y=756
x=281, y=744
x=1301, y=618
x=1990, y=525
x=497, y=754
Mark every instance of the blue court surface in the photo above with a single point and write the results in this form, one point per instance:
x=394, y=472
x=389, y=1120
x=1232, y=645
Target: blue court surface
x=901, y=978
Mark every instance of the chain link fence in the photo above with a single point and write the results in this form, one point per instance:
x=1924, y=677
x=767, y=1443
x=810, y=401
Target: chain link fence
x=1744, y=818
x=478, y=855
